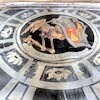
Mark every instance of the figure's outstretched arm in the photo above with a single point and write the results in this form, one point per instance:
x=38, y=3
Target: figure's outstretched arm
x=34, y=25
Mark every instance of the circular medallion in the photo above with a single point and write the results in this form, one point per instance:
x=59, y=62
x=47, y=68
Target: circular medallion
x=51, y=49
x=55, y=37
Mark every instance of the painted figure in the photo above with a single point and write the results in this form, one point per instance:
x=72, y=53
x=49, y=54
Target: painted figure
x=61, y=30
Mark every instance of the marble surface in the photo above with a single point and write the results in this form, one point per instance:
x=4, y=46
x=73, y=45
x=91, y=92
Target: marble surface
x=92, y=1
x=23, y=77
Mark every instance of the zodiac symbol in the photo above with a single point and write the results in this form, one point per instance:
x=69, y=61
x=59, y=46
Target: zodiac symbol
x=7, y=32
x=84, y=14
x=26, y=14
x=14, y=58
x=58, y=73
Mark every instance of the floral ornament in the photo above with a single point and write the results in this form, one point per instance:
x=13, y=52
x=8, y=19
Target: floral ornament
x=85, y=14
x=14, y=58
x=58, y=73
x=96, y=59
x=26, y=14
x=7, y=32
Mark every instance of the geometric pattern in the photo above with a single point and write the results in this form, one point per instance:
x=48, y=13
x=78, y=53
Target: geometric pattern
x=23, y=77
